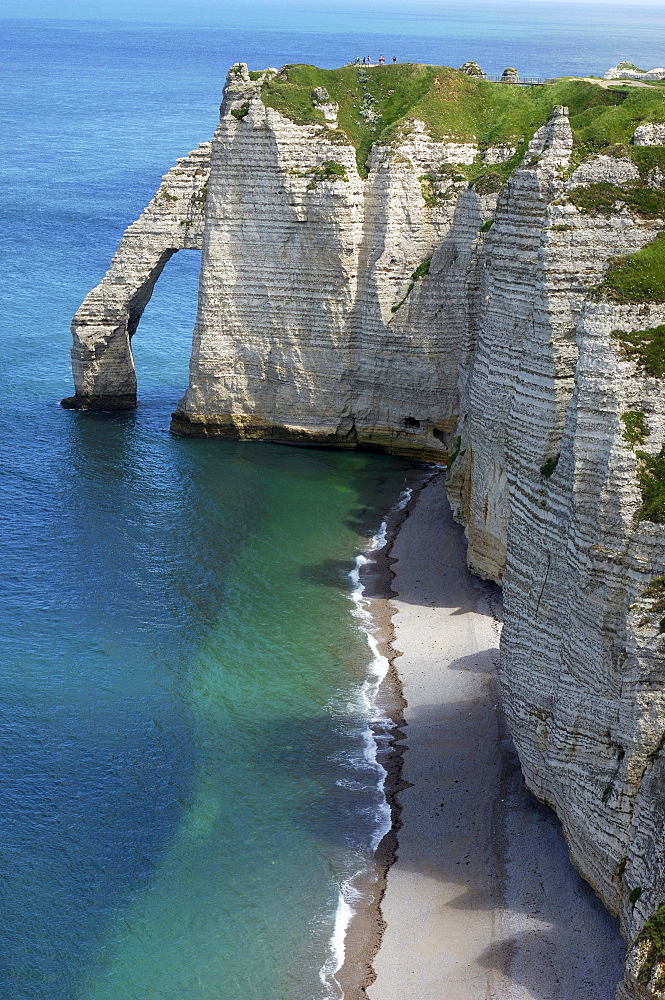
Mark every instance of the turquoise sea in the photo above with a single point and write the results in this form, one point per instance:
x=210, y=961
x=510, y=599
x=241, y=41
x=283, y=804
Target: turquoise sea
x=184, y=769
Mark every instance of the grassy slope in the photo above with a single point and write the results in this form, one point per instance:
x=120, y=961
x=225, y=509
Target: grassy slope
x=454, y=105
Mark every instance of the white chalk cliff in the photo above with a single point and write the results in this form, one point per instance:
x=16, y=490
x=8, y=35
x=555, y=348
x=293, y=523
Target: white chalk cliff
x=106, y=321
x=416, y=312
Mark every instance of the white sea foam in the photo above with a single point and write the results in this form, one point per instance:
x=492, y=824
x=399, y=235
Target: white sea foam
x=366, y=701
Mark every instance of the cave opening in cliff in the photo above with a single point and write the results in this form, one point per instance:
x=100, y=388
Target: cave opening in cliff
x=162, y=343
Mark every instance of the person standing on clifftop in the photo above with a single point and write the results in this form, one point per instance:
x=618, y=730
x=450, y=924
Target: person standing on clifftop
x=394, y=59
x=381, y=60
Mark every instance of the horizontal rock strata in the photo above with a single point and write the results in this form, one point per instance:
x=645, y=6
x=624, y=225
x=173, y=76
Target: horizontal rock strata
x=315, y=325
x=547, y=487
x=103, y=327
x=444, y=295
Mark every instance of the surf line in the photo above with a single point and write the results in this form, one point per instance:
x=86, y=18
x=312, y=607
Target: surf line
x=377, y=671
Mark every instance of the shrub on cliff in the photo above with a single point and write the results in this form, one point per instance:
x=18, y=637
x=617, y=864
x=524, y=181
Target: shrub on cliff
x=646, y=347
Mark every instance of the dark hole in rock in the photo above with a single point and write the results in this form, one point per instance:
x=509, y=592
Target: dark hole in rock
x=411, y=422
x=437, y=434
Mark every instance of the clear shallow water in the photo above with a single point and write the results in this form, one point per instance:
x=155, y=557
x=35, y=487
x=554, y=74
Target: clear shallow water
x=182, y=764
x=183, y=777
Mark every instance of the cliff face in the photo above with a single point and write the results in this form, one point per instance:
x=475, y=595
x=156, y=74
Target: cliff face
x=547, y=486
x=441, y=272
x=321, y=317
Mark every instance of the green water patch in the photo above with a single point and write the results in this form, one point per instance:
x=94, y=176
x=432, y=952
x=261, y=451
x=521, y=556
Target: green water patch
x=180, y=673
x=279, y=804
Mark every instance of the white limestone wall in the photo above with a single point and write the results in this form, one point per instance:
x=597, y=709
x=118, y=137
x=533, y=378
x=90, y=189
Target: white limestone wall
x=103, y=326
x=310, y=326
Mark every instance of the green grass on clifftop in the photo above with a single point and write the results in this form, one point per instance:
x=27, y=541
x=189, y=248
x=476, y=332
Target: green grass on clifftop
x=376, y=103
x=606, y=199
x=462, y=108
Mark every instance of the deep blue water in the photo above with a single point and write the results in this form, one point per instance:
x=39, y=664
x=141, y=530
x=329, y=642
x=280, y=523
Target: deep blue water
x=181, y=764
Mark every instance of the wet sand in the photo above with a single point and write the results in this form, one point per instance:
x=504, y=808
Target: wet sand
x=482, y=901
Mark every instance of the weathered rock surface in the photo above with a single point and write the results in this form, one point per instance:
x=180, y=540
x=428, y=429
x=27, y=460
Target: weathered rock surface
x=314, y=325
x=102, y=328
x=610, y=169
x=472, y=68
x=625, y=71
x=546, y=485
x=500, y=153
x=413, y=312
x=649, y=135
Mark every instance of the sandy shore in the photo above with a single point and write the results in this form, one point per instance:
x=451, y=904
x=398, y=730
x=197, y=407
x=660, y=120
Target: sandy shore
x=482, y=901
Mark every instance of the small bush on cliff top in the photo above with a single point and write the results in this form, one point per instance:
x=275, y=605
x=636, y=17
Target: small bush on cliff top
x=646, y=347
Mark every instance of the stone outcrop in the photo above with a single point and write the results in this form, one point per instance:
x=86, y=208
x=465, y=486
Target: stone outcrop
x=104, y=325
x=604, y=169
x=417, y=303
x=500, y=153
x=650, y=134
x=627, y=71
x=472, y=68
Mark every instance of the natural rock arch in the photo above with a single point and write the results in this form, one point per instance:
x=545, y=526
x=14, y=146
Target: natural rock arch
x=102, y=362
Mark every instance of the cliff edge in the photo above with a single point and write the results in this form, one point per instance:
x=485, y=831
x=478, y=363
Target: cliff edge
x=414, y=260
